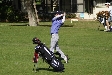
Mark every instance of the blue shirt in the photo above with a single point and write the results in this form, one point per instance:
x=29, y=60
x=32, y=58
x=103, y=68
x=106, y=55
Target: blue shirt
x=56, y=24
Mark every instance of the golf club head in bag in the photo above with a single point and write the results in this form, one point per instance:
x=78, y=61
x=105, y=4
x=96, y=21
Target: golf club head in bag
x=36, y=40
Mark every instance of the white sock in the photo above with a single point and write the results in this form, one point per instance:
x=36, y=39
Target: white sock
x=65, y=58
x=106, y=27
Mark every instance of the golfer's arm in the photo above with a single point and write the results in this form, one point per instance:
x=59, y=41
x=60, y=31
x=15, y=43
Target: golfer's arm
x=57, y=17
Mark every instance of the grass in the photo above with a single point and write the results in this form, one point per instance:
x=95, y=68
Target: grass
x=89, y=49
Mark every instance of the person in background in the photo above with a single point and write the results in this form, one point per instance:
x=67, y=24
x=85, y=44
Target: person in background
x=57, y=22
x=110, y=17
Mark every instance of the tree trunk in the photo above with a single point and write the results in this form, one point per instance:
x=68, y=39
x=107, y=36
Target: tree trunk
x=33, y=20
x=34, y=3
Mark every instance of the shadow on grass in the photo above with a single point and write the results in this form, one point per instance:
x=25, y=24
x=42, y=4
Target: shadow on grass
x=62, y=26
x=105, y=31
x=40, y=25
x=48, y=69
x=101, y=30
x=20, y=25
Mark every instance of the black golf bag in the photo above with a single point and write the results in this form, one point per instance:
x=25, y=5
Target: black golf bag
x=47, y=55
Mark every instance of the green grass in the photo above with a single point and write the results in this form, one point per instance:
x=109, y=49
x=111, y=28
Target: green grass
x=89, y=49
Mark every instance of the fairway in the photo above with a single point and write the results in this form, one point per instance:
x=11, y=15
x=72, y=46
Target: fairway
x=89, y=49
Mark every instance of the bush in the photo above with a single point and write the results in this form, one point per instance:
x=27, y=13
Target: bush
x=49, y=16
x=9, y=14
x=70, y=15
x=46, y=17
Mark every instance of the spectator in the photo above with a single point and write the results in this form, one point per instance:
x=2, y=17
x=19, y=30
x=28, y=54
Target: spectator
x=110, y=18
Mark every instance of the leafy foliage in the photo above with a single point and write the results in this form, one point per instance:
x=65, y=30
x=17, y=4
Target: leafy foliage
x=71, y=15
x=9, y=13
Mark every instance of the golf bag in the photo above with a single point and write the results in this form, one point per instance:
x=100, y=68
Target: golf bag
x=47, y=55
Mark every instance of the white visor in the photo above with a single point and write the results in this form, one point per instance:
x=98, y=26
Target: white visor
x=107, y=3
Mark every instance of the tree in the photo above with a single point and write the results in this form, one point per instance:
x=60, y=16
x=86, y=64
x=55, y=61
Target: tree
x=32, y=13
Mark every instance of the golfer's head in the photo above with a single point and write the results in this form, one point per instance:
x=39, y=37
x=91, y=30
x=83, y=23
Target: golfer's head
x=58, y=13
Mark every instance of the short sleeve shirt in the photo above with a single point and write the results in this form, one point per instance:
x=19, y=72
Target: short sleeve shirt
x=110, y=10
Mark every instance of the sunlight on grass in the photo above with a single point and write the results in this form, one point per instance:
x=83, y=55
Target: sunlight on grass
x=89, y=49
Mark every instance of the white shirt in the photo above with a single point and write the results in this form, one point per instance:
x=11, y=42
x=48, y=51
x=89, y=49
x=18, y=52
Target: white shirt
x=110, y=10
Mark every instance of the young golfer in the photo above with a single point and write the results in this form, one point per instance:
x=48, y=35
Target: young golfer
x=57, y=22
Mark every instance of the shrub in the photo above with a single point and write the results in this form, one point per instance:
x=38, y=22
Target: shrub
x=70, y=15
x=9, y=14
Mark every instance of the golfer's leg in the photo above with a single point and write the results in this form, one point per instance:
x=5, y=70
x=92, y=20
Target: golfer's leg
x=108, y=22
x=62, y=54
x=60, y=51
x=53, y=42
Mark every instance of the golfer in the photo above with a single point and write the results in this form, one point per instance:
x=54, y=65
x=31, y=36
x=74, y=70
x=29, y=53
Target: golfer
x=57, y=22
